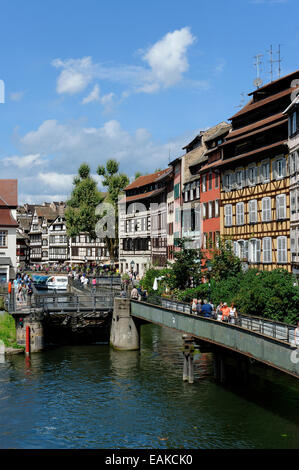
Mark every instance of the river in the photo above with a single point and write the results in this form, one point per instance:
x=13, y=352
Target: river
x=92, y=397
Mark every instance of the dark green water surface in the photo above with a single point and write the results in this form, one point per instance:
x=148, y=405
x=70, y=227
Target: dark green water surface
x=94, y=397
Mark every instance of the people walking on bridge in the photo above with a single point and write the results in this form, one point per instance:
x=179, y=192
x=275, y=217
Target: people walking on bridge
x=225, y=312
x=94, y=284
x=194, y=304
x=219, y=311
x=134, y=294
x=206, y=309
x=198, y=307
x=233, y=313
x=296, y=335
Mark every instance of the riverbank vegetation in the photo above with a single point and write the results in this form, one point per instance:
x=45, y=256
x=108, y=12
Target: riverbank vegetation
x=8, y=331
x=269, y=294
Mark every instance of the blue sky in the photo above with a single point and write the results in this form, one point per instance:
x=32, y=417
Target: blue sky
x=91, y=80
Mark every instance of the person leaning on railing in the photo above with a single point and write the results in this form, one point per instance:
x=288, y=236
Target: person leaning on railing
x=225, y=312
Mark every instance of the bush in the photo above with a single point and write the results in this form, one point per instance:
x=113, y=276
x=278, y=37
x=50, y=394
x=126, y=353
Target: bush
x=270, y=294
x=148, y=279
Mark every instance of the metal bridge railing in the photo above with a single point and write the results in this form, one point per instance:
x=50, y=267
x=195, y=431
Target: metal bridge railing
x=277, y=330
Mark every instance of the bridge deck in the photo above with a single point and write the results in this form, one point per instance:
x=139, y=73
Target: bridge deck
x=263, y=340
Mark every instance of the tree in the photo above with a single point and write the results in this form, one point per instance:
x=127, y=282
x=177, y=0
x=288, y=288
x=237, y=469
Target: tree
x=187, y=265
x=80, y=212
x=224, y=263
x=115, y=182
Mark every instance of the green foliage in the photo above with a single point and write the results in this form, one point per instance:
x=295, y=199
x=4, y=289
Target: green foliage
x=8, y=330
x=187, y=264
x=80, y=213
x=270, y=294
x=148, y=279
x=115, y=182
x=224, y=263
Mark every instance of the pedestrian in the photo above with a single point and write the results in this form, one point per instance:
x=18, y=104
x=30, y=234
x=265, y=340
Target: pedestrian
x=233, y=313
x=134, y=294
x=296, y=335
x=24, y=292
x=198, y=307
x=29, y=292
x=206, y=309
x=94, y=284
x=193, y=307
x=225, y=312
x=219, y=311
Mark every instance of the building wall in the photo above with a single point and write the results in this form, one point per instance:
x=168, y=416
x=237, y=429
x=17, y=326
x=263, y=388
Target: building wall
x=260, y=229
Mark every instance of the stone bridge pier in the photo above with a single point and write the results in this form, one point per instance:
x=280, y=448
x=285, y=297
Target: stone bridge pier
x=125, y=330
x=35, y=321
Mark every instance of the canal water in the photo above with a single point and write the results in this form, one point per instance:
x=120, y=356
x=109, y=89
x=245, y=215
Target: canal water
x=94, y=397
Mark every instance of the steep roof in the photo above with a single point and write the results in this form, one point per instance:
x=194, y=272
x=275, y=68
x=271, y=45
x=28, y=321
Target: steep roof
x=147, y=179
x=9, y=192
x=6, y=219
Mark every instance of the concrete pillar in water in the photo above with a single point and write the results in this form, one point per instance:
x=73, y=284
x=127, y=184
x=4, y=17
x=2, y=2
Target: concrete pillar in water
x=185, y=367
x=188, y=367
x=125, y=331
x=35, y=323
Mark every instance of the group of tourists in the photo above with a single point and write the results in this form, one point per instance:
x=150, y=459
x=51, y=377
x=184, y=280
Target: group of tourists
x=222, y=312
x=138, y=294
x=23, y=288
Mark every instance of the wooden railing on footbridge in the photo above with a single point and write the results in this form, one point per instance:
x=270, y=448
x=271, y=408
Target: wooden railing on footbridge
x=264, y=340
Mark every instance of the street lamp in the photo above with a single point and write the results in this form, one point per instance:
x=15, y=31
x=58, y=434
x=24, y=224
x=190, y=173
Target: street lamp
x=132, y=265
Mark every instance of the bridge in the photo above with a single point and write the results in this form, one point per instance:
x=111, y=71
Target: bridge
x=254, y=338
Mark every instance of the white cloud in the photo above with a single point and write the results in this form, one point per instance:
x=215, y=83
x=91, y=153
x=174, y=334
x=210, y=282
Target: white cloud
x=57, y=181
x=94, y=95
x=167, y=58
x=64, y=146
x=75, y=76
x=23, y=162
x=166, y=63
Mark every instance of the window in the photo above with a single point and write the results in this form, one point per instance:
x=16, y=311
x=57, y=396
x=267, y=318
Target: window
x=266, y=209
x=252, y=175
x=254, y=253
x=241, y=249
x=217, y=208
x=186, y=196
x=267, y=250
x=204, y=183
x=293, y=201
x=204, y=210
x=281, y=206
x=265, y=172
x=228, y=215
x=210, y=180
x=239, y=178
x=204, y=244
x=3, y=238
x=292, y=163
x=240, y=213
x=253, y=211
x=191, y=194
x=176, y=190
x=292, y=123
x=281, y=249
x=216, y=180
x=197, y=190
x=280, y=168
x=228, y=181
x=210, y=209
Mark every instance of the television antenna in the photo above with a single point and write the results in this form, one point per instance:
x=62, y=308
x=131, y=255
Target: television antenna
x=258, y=81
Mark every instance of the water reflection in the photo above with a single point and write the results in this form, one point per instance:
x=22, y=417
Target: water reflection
x=95, y=397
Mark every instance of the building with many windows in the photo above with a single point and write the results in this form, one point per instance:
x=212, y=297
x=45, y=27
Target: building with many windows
x=210, y=189
x=143, y=223
x=293, y=115
x=8, y=229
x=255, y=203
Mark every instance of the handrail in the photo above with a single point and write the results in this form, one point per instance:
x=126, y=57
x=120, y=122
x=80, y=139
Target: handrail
x=281, y=331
